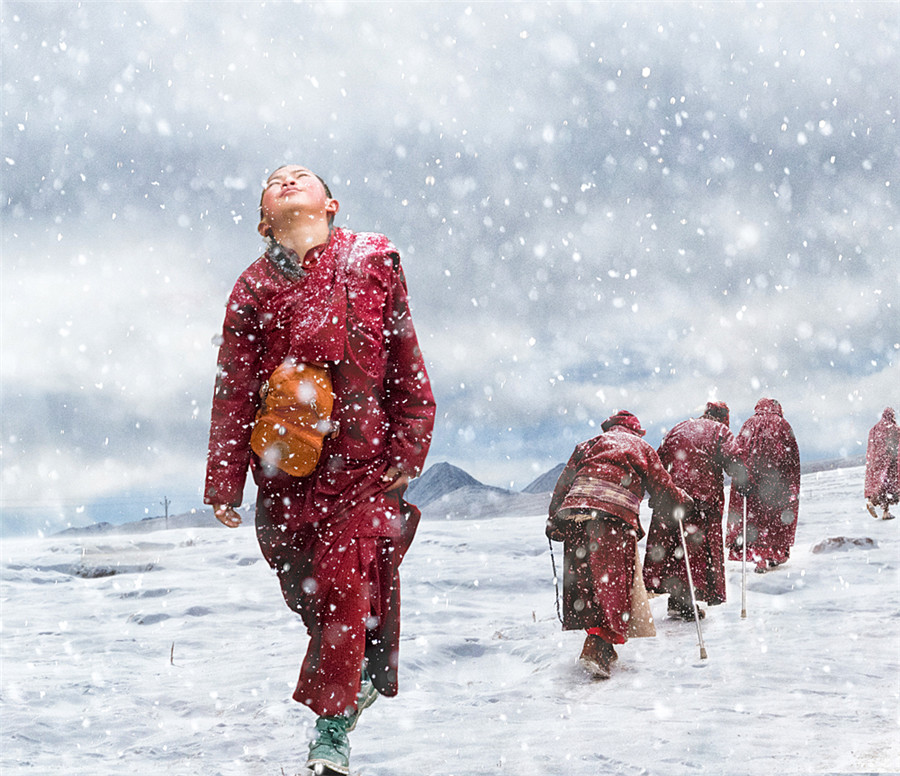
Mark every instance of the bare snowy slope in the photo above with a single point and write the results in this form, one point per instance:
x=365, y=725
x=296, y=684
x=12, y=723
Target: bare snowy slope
x=173, y=653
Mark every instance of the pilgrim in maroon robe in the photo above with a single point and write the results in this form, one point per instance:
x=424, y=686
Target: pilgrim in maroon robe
x=335, y=537
x=771, y=459
x=594, y=511
x=697, y=453
x=883, y=465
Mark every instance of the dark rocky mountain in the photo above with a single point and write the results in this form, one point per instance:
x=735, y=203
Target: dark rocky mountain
x=437, y=481
x=473, y=502
x=447, y=492
x=546, y=482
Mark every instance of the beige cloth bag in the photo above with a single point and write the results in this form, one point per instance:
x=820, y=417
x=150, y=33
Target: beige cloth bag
x=640, y=624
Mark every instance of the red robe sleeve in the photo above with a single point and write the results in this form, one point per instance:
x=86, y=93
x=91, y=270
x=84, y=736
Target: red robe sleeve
x=728, y=456
x=409, y=403
x=566, y=478
x=664, y=493
x=235, y=399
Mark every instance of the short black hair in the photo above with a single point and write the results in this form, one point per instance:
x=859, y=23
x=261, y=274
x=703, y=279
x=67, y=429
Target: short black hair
x=327, y=190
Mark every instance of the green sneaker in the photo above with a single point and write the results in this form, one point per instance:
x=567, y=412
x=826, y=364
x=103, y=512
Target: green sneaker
x=367, y=696
x=330, y=752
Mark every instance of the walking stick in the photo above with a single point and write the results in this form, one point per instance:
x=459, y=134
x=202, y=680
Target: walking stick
x=555, y=580
x=679, y=511
x=744, y=565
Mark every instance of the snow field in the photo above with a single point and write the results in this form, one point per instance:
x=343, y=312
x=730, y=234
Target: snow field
x=184, y=660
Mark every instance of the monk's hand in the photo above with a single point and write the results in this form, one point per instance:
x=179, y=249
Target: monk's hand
x=555, y=529
x=395, y=479
x=683, y=508
x=227, y=515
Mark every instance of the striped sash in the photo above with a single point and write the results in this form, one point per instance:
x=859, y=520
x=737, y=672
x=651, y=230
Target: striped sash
x=591, y=490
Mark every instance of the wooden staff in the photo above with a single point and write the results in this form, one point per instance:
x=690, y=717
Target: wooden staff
x=679, y=511
x=744, y=565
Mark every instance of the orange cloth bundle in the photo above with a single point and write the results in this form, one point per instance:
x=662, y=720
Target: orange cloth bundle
x=294, y=419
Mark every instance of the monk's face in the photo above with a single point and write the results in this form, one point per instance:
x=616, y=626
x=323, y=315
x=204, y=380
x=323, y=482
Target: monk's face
x=293, y=193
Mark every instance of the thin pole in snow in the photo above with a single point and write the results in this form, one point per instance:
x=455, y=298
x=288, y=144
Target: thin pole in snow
x=744, y=565
x=679, y=511
x=555, y=580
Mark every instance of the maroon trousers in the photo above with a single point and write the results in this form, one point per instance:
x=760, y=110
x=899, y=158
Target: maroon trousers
x=350, y=605
x=598, y=573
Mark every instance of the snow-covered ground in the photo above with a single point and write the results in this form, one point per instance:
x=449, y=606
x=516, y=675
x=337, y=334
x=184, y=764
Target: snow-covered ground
x=183, y=661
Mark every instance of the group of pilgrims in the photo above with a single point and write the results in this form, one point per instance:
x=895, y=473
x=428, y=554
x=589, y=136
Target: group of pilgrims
x=595, y=506
x=322, y=393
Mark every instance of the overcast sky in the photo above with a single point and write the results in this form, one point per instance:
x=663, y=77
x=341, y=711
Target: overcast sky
x=599, y=206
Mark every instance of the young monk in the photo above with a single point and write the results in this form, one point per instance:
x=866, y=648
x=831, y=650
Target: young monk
x=332, y=298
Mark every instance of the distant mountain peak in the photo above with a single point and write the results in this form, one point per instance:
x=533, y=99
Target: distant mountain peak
x=546, y=482
x=437, y=481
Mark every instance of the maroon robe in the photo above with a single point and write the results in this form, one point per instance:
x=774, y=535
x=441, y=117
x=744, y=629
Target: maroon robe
x=772, y=461
x=696, y=452
x=882, y=461
x=606, y=477
x=335, y=537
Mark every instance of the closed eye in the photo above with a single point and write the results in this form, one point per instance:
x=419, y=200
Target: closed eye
x=279, y=177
